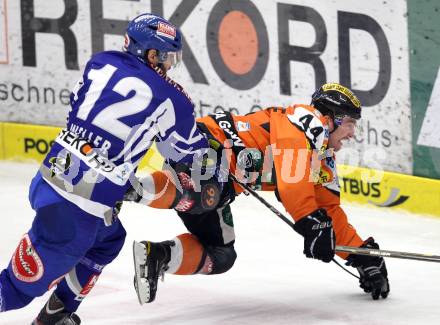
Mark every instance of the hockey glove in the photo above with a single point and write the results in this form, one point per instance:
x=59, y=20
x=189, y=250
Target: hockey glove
x=319, y=237
x=372, y=270
x=186, y=199
x=197, y=201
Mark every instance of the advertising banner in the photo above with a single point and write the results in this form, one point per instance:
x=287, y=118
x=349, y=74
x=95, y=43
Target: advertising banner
x=31, y=143
x=27, y=142
x=2, y=137
x=424, y=37
x=239, y=55
x=375, y=188
x=387, y=190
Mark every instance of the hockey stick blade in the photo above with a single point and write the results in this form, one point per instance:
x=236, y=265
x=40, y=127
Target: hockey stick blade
x=386, y=253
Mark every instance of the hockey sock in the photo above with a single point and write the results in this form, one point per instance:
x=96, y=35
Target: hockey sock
x=76, y=284
x=188, y=256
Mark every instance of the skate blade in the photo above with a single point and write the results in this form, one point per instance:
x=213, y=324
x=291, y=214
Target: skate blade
x=142, y=286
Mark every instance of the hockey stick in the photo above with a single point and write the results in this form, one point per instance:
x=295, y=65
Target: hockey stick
x=344, y=249
x=385, y=253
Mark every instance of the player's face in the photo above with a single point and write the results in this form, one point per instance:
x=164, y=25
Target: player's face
x=164, y=60
x=153, y=58
x=344, y=131
x=170, y=59
x=165, y=66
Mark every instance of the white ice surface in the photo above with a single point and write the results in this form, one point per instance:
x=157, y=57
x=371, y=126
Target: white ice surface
x=271, y=282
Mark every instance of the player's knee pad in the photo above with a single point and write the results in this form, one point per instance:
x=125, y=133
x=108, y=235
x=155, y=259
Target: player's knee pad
x=27, y=269
x=32, y=271
x=223, y=258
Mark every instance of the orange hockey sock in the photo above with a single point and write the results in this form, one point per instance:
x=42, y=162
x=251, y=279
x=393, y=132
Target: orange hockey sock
x=187, y=255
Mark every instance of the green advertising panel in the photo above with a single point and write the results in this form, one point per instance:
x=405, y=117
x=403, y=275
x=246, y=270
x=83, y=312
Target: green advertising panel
x=424, y=42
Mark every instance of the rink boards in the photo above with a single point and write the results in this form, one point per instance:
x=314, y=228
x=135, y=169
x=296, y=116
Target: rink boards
x=384, y=190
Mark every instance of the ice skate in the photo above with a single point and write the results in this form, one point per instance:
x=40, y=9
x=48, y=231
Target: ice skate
x=150, y=263
x=53, y=313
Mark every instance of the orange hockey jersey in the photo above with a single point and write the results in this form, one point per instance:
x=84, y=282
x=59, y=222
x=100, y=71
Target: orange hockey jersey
x=297, y=164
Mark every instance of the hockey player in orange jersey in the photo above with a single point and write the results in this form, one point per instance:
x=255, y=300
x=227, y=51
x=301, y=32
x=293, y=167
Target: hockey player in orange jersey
x=288, y=150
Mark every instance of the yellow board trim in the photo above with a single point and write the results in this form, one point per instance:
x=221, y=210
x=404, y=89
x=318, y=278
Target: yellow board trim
x=387, y=190
x=2, y=150
x=24, y=142
x=31, y=143
x=375, y=188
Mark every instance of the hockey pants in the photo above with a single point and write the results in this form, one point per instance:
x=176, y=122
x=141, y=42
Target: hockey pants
x=66, y=247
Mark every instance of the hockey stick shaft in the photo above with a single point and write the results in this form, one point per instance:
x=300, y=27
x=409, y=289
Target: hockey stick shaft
x=344, y=249
x=385, y=253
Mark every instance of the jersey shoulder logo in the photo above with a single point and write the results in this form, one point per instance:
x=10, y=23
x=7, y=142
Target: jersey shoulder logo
x=307, y=121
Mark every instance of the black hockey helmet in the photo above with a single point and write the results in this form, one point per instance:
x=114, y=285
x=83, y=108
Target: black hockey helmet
x=336, y=101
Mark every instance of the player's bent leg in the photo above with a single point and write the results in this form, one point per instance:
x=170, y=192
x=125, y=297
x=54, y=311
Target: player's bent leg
x=213, y=233
x=189, y=256
x=223, y=258
x=208, y=249
x=95, y=244
x=184, y=255
x=81, y=279
x=70, y=292
x=49, y=250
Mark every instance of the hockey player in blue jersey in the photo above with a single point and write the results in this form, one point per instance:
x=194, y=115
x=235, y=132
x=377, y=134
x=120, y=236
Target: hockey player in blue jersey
x=123, y=102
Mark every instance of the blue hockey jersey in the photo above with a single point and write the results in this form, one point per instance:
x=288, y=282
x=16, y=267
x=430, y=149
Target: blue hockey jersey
x=118, y=108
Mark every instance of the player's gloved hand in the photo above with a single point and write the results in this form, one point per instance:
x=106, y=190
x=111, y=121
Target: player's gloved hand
x=197, y=200
x=188, y=197
x=197, y=192
x=319, y=236
x=372, y=270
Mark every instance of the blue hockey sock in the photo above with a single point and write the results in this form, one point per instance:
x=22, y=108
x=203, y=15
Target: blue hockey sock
x=77, y=283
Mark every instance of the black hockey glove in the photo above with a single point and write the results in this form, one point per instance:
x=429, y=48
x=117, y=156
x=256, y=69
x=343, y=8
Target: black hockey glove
x=193, y=201
x=372, y=270
x=187, y=198
x=319, y=237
